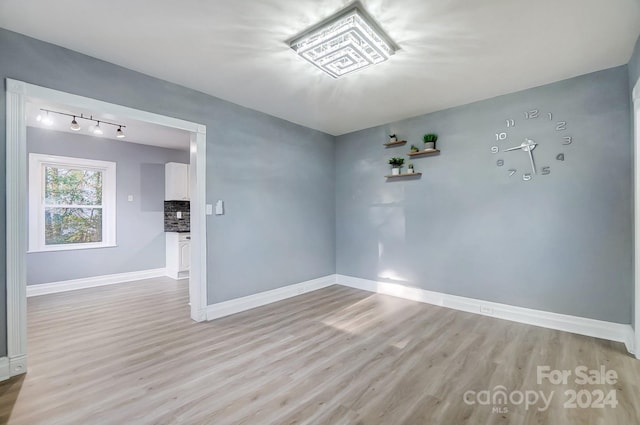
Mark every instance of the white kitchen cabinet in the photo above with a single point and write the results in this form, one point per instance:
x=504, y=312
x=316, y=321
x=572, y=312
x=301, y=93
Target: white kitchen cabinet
x=176, y=181
x=184, y=248
x=178, y=261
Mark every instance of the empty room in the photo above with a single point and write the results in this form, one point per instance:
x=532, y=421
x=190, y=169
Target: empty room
x=320, y=212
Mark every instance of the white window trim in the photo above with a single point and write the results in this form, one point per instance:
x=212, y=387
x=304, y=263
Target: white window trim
x=36, y=213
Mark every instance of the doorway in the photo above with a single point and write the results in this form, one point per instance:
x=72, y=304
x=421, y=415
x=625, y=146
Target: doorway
x=18, y=95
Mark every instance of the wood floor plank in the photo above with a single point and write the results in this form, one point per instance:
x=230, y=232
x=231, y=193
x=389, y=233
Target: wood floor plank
x=129, y=354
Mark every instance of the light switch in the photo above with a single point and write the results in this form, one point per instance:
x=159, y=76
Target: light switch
x=209, y=209
x=179, y=214
x=130, y=198
x=219, y=207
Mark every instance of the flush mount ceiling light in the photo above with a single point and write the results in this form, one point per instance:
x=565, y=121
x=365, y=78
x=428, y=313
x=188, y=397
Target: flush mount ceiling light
x=76, y=127
x=345, y=42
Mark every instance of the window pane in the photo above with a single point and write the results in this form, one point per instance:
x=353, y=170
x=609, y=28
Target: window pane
x=65, y=186
x=72, y=225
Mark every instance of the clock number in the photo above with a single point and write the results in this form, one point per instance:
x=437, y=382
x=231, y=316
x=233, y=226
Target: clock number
x=567, y=140
x=512, y=171
x=561, y=126
x=550, y=116
x=546, y=170
x=500, y=162
x=532, y=114
x=511, y=123
x=501, y=136
x=495, y=149
x=526, y=177
x=560, y=157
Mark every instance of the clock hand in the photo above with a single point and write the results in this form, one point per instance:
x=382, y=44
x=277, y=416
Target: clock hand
x=524, y=145
x=533, y=164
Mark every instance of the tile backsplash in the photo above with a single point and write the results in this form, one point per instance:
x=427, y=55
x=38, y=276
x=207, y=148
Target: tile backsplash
x=171, y=221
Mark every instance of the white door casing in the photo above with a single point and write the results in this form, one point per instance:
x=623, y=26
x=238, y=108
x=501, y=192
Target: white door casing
x=636, y=221
x=18, y=94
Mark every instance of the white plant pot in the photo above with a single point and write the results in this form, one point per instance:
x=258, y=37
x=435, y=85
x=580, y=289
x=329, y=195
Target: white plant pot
x=410, y=171
x=395, y=171
x=430, y=145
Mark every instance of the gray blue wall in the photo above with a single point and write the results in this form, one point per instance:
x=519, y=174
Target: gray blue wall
x=561, y=242
x=139, y=224
x=277, y=178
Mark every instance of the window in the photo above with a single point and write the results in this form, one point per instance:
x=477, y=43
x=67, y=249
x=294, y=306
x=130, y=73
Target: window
x=72, y=203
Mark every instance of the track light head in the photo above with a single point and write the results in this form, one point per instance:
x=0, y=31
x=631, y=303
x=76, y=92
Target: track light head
x=97, y=130
x=74, y=125
x=47, y=119
x=120, y=133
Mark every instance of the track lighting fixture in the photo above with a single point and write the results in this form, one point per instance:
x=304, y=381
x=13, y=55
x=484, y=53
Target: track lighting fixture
x=95, y=129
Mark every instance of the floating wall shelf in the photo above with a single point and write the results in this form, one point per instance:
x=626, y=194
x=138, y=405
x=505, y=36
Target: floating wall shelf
x=425, y=152
x=393, y=176
x=396, y=143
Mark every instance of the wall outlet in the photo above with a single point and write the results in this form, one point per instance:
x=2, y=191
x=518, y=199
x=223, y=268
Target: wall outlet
x=484, y=309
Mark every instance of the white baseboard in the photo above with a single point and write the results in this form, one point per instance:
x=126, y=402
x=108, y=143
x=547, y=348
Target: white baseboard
x=4, y=369
x=578, y=325
x=238, y=305
x=173, y=274
x=90, y=282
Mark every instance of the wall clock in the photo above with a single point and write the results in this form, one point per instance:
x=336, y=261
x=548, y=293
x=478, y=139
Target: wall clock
x=528, y=147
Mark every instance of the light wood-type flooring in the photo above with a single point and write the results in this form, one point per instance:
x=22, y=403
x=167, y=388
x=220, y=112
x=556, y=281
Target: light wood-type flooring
x=129, y=354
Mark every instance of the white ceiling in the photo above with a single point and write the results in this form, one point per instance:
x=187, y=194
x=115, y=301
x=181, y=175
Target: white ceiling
x=136, y=131
x=453, y=51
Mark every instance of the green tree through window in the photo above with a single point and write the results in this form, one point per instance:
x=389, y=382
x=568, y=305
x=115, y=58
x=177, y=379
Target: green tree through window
x=72, y=205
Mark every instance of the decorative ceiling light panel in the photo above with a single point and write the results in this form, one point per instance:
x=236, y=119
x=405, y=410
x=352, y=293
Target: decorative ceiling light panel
x=346, y=42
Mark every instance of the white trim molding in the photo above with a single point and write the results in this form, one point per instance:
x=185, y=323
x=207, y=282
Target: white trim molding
x=16, y=221
x=578, y=325
x=635, y=96
x=198, y=264
x=227, y=308
x=92, y=282
x=18, y=93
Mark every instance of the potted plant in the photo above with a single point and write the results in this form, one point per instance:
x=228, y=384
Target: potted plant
x=396, y=165
x=414, y=149
x=410, y=168
x=430, y=141
x=392, y=138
